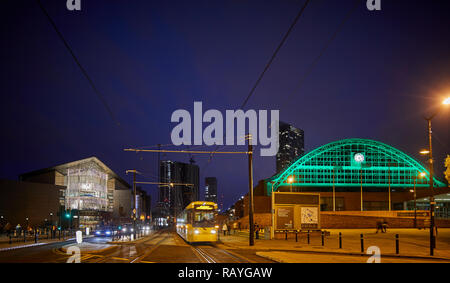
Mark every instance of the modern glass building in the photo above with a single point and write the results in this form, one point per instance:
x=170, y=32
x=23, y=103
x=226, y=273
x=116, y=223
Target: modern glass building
x=89, y=188
x=358, y=166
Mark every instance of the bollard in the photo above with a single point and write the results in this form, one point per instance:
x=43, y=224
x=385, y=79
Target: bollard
x=308, y=237
x=10, y=242
x=296, y=232
x=340, y=240
x=286, y=236
x=323, y=238
x=397, y=248
x=35, y=236
x=362, y=243
x=59, y=235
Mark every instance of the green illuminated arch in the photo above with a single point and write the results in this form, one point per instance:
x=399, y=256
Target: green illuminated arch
x=378, y=165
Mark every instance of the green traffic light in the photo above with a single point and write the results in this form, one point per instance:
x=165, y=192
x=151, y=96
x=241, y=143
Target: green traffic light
x=67, y=215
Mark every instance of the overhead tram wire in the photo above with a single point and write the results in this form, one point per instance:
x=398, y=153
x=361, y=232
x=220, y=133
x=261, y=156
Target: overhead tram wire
x=83, y=70
x=272, y=58
x=300, y=13
x=327, y=44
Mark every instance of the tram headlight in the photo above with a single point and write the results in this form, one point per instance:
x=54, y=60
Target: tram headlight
x=213, y=231
x=196, y=231
x=217, y=226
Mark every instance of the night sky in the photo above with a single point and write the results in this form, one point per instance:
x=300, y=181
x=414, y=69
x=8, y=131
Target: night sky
x=382, y=73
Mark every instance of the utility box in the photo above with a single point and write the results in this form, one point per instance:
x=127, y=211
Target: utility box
x=295, y=211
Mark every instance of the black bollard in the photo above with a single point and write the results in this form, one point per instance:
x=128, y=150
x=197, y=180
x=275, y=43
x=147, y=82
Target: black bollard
x=397, y=248
x=24, y=236
x=286, y=236
x=296, y=237
x=323, y=238
x=340, y=240
x=308, y=237
x=362, y=243
x=10, y=242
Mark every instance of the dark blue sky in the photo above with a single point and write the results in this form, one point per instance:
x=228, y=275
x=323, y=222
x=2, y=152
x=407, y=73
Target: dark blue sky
x=381, y=74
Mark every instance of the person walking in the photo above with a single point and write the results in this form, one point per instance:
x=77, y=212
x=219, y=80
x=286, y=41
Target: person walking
x=224, y=229
x=379, y=226
x=385, y=224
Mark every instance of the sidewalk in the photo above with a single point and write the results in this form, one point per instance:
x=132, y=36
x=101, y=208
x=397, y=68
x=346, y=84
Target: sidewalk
x=413, y=243
x=5, y=246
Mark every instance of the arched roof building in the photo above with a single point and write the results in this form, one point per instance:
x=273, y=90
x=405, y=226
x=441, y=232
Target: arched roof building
x=352, y=163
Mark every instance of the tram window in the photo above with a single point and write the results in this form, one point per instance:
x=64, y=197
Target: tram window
x=203, y=218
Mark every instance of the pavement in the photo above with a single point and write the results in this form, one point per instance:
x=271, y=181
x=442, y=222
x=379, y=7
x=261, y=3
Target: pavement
x=413, y=246
x=19, y=243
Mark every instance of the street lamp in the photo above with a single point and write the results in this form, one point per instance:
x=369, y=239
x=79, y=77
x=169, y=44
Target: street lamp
x=290, y=180
x=421, y=175
x=430, y=160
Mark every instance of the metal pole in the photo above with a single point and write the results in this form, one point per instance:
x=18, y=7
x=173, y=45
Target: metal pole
x=134, y=204
x=415, y=205
x=362, y=243
x=250, y=199
x=272, y=231
x=389, y=180
x=432, y=203
x=397, y=247
x=334, y=192
x=361, y=190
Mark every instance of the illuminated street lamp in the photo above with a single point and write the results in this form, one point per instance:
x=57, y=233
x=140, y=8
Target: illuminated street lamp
x=430, y=160
x=421, y=175
x=290, y=180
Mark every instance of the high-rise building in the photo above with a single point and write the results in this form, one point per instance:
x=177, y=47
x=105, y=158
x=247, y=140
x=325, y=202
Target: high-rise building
x=292, y=145
x=211, y=189
x=174, y=198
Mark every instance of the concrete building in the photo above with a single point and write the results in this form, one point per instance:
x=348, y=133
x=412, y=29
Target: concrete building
x=39, y=203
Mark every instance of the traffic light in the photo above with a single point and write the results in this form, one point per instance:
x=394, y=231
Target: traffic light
x=67, y=215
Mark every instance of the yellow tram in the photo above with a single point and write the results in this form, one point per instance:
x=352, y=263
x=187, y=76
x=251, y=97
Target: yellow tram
x=197, y=223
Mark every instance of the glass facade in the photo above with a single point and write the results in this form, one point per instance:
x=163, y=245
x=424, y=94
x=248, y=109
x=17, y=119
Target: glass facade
x=86, y=188
x=353, y=163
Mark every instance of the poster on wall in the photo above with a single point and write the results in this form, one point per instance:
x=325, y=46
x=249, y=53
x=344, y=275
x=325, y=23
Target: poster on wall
x=285, y=217
x=310, y=217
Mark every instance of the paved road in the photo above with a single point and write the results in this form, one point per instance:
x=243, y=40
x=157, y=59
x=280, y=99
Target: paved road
x=161, y=247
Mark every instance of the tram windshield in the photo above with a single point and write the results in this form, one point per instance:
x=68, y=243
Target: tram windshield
x=203, y=219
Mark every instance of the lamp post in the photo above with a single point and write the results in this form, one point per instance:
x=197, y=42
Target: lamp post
x=421, y=174
x=430, y=160
x=290, y=180
x=334, y=186
x=272, y=231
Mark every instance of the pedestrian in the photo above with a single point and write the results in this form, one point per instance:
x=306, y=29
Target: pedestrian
x=379, y=226
x=385, y=225
x=257, y=231
x=224, y=229
x=229, y=229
